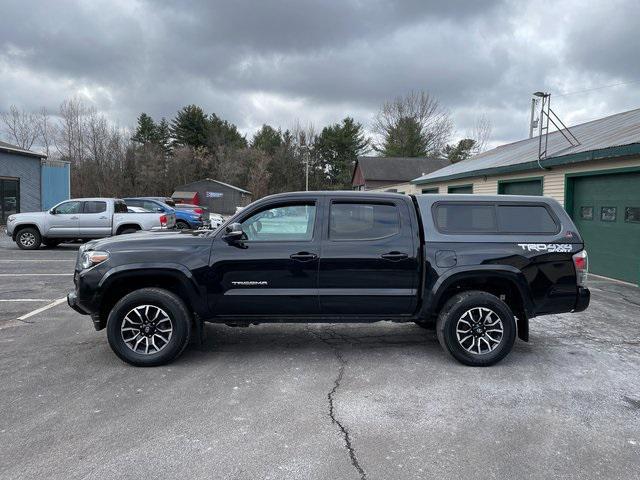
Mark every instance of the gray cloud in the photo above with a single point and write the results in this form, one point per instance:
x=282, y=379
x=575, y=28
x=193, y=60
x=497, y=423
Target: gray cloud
x=278, y=61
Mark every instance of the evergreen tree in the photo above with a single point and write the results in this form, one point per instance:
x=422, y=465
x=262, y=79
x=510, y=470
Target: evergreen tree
x=461, y=151
x=146, y=131
x=267, y=139
x=338, y=147
x=189, y=127
x=221, y=133
x=405, y=139
x=163, y=135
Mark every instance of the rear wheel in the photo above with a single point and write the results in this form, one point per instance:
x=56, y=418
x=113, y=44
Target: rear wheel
x=149, y=327
x=181, y=225
x=476, y=328
x=28, y=239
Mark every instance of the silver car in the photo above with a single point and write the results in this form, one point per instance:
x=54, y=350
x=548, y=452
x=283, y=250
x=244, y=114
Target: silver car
x=84, y=218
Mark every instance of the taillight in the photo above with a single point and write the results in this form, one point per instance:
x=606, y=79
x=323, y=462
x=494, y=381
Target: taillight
x=163, y=220
x=581, y=262
x=199, y=211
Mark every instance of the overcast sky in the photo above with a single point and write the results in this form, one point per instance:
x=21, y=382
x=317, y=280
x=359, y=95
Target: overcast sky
x=260, y=61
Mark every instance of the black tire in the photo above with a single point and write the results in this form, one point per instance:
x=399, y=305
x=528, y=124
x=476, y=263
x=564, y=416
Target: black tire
x=51, y=242
x=456, y=310
x=28, y=239
x=126, y=231
x=156, y=298
x=182, y=225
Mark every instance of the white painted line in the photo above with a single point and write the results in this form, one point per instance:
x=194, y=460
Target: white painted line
x=34, y=274
x=27, y=300
x=41, y=260
x=42, y=309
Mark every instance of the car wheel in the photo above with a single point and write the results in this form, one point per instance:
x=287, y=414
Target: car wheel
x=149, y=327
x=29, y=239
x=180, y=225
x=476, y=328
x=51, y=242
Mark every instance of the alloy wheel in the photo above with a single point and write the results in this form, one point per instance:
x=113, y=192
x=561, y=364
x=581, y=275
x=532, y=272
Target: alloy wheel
x=479, y=330
x=146, y=329
x=27, y=239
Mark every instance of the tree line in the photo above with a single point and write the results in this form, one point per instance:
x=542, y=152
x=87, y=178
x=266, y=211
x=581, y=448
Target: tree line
x=158, y=155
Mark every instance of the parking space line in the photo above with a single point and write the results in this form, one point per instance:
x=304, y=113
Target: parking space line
x=34, y=274
x=26, y=300
x=40, y=260
x=42, y=309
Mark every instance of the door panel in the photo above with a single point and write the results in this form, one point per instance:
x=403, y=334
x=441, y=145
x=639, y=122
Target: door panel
x=605, y=211
x=274, y=269
x=95, y=221
x=369, y=260
x=65, y=220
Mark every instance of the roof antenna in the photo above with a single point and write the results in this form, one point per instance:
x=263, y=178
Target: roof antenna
x=542, y=123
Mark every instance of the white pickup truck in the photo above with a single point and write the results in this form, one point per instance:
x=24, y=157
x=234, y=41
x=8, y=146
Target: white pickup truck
x=83, y=218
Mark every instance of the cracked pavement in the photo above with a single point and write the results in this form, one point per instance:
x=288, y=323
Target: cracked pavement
x=315, y=401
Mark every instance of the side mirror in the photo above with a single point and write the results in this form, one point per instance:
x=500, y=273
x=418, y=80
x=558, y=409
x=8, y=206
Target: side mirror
x=52, y=211
x=233, y=233
x=160, y=209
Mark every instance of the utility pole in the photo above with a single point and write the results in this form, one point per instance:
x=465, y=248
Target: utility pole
x=532, y=123
x=306, y=168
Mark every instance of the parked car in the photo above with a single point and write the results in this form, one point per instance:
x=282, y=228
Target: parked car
x=85, y=218
x=193, y=216
x=212, y=220
x=184, y=219
x=137, y=210
x=477, y=268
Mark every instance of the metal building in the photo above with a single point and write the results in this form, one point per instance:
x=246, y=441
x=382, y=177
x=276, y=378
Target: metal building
x=29, y=182
x=218, y=197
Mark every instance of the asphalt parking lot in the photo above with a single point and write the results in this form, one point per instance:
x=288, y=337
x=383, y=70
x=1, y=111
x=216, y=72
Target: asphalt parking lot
x=380, y=401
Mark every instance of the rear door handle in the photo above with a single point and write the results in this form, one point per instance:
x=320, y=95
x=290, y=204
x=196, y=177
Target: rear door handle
x=303, y=256
x=394, y=256
x=75, y=218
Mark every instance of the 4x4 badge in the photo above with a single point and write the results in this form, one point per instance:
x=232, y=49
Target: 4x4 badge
x=546, y=247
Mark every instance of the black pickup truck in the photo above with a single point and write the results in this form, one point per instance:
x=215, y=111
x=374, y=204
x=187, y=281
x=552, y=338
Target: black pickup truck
x=475, y=268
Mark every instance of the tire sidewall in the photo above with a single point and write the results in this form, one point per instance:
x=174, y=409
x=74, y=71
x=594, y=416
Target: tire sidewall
x=455, y=308
x=35, y=233
x=185, y=225
x=171, y=304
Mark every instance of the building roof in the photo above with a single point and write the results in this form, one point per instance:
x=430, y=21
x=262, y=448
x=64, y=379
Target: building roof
x=397, y=169
x=185, y=187
x=613, y=136
x=7, y=147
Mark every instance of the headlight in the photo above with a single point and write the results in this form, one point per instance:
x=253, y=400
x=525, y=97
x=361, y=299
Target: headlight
x=92, y=258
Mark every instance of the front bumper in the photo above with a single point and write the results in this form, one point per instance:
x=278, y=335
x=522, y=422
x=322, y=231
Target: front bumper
x=72, y=301
x=584, y=297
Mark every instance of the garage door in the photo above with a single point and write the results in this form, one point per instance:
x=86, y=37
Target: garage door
x=606, y=210
x=521, y=187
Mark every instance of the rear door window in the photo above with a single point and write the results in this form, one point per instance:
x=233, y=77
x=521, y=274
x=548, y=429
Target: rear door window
x=363, y=221
x=95, y=207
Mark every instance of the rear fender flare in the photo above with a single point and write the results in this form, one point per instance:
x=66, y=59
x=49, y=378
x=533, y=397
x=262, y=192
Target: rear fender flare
x=505, y=272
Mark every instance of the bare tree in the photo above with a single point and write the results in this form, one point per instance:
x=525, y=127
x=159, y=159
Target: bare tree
x=415, y=123
x=20, y=126
x=47, y=130
x=481, y=134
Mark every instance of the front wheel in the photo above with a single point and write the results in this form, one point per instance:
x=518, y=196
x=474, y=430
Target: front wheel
x=149, y=327
x=29, y=239
x=476, y=328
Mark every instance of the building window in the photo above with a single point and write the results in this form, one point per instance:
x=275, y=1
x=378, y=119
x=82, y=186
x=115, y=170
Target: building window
x=586, y=213
x=608, y=214
x=9, y=198
x=429, y=190
x=460, y=189
x=632, y=214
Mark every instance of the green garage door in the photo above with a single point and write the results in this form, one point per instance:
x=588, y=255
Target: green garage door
x=520, y=187
x=606, y=210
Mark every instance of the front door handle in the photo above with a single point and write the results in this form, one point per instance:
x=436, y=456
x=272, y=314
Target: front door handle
x=303, y=256
x=103, y=218
x=394, y=256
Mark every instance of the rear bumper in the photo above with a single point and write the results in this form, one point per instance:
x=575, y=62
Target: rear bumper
x=584, y=297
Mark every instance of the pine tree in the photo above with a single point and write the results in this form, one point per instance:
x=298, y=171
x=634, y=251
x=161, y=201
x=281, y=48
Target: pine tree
x=189, y=127
x=146, y=131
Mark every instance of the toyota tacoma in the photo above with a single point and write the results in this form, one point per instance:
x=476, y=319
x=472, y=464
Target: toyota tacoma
x=475, y=268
